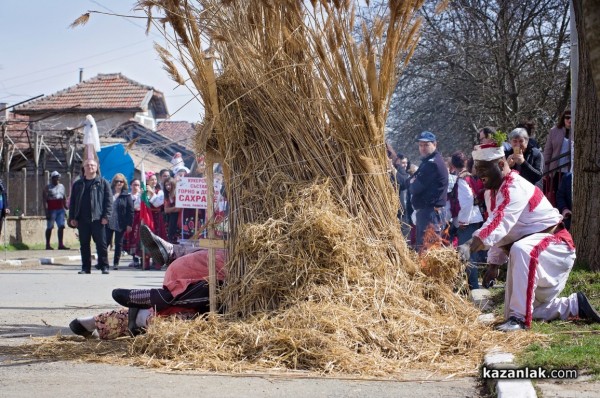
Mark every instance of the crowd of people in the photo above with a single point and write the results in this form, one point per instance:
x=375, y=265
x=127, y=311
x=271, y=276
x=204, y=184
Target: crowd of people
x=433, y=194
x=112, y=213
x=492, y=208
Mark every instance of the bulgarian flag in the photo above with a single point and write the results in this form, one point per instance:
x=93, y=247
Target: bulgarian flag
x=145, y=215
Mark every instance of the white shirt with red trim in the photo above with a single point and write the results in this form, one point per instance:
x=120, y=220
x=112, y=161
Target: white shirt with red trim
x=468, y=213
x=517, y=209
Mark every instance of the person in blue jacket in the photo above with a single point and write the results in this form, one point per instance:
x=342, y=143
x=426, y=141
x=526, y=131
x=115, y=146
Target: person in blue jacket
x=428, y=188
x=564, y=199
x=4, y=210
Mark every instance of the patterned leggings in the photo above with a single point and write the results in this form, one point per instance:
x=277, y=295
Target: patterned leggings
x=114, y=324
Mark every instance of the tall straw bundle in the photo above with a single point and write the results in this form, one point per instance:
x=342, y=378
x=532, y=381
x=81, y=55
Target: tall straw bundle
x=297, y=102
x=319, y=276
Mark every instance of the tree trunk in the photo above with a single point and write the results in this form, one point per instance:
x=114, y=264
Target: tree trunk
x=591, y=12
x=586, y=185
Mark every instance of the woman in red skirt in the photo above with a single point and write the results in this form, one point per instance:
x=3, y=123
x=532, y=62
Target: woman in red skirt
x=156, y=198
x=133, y=238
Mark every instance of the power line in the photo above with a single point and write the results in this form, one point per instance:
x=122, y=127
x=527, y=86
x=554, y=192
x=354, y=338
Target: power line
x=72, y=62
x=89, y=57
x=65, y=73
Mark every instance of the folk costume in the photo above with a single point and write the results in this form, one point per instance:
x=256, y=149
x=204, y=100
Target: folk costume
x=541, y=251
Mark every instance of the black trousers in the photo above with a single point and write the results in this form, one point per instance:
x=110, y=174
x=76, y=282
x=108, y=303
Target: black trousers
x=118, y=243
x=195, y=296
x=87, y=232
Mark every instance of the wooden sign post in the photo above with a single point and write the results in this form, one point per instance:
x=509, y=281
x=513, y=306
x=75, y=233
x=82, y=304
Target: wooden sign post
x=199, y=193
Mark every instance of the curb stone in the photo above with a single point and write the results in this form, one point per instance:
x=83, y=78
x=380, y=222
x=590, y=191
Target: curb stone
x=507, y=388
x=59, y=260
x=19, y=263
x=481, y=299
x=496, y=359
x=63, y=259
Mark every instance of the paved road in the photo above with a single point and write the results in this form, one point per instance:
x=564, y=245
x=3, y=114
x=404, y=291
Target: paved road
x=42, y=300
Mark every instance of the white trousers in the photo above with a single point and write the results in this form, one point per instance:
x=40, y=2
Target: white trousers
x=551, y=274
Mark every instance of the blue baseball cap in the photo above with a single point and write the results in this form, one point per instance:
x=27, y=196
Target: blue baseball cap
x=426, y=136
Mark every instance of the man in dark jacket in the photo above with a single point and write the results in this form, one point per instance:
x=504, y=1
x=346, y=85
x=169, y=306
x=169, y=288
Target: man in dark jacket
x=90, y=208
x=428, y=188
x=400, y=177
x=564, y=198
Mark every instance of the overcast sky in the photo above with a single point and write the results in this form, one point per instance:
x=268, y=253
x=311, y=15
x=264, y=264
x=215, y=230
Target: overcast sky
x=40, y=54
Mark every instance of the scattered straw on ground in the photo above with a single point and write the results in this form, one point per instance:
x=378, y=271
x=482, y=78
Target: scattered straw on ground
x=349, y=313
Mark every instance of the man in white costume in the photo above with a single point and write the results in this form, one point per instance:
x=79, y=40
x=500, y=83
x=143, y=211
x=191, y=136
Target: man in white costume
x=526, y=230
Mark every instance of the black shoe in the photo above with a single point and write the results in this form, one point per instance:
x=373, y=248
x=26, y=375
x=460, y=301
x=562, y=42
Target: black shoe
x=98, y=267
x=586, y=311
x=84, y=272
x=513, y=324
x=115, y=267
x=105, y=270
x=77, y=328
x=159, y=249
x=123, y=297
x=63, y=247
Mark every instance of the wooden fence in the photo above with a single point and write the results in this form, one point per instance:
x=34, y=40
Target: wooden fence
x=24, y=190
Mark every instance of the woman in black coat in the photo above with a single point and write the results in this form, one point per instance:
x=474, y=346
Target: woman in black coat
x=524, y=158
x=121, y=218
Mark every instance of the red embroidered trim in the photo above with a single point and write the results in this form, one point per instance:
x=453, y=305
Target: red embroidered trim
x=492, y=145
x=536, y=199
x=562, y=236
x=499, y=214
x=533, y=262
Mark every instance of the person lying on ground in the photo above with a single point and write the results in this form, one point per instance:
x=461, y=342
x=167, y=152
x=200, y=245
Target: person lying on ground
x=185, y=291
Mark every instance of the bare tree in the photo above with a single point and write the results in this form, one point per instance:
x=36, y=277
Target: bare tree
x=483, y=62
x=586, y=184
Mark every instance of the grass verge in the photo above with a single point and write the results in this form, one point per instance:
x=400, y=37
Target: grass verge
x=22, y=246
x=572, y=344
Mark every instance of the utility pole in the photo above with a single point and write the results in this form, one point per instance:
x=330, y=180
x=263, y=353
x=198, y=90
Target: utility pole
x=574, y=79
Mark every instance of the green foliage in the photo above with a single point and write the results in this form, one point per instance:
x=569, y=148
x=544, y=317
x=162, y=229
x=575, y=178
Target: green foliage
x=499, y=137
x=22, y=246
x=573, y=344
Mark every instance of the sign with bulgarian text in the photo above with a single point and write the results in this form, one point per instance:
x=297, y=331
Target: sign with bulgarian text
x=192, y=193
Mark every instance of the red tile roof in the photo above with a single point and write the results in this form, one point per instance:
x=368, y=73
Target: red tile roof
x=180, y=132
x=108, y=92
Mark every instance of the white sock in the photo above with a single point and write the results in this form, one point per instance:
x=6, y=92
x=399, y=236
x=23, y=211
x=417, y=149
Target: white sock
x=141, y=320
x=88, y=322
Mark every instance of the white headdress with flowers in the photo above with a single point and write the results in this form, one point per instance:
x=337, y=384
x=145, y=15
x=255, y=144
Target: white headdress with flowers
x=488, y=152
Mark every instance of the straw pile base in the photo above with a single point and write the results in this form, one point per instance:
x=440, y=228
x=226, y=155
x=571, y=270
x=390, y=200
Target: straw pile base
x=343, y=309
